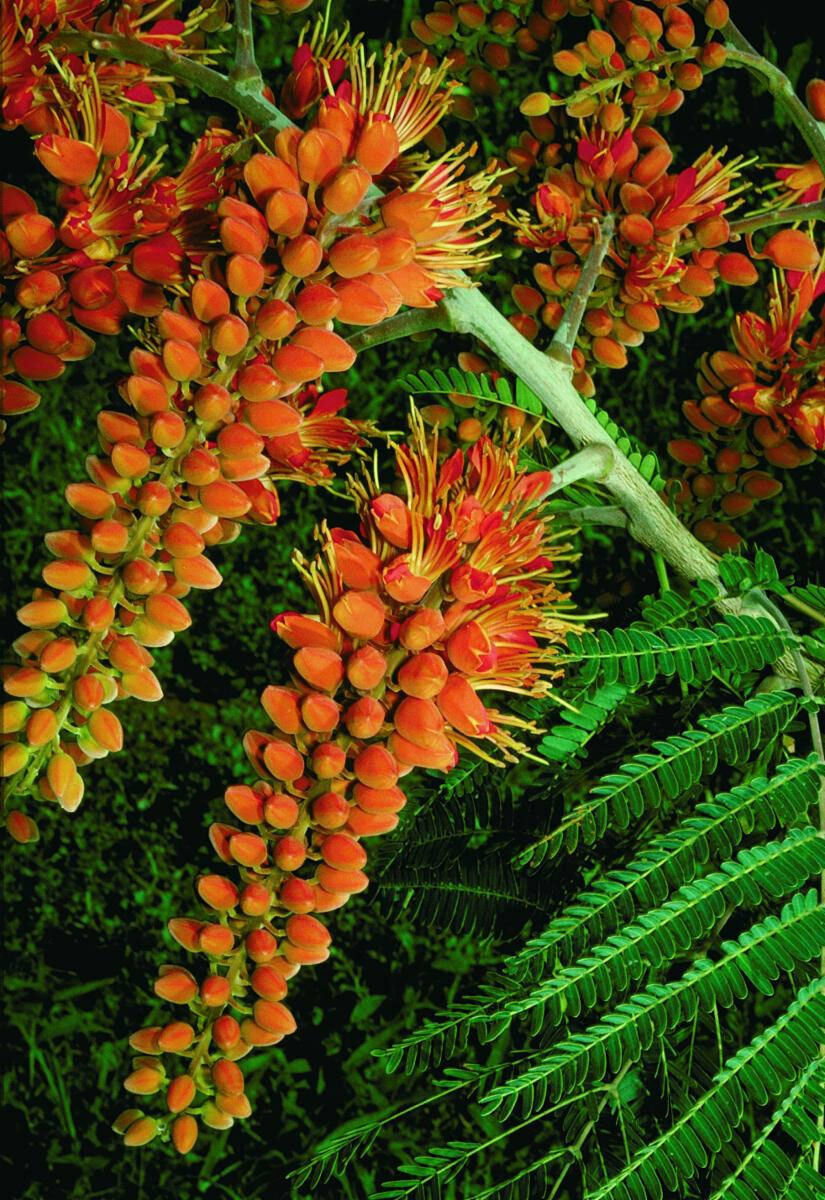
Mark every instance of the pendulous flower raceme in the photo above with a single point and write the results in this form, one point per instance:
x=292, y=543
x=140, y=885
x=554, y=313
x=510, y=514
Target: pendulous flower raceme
x=338, y=226
x=448, y=592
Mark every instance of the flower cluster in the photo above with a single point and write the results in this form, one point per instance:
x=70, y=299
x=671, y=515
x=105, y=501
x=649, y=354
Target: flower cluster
x=763, y=401
x=127, y=236
x=447, y=592
x=225, y=398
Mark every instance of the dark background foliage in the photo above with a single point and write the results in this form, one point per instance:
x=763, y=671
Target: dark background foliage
x=85, y=907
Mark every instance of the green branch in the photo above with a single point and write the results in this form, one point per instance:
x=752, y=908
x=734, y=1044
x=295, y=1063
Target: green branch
x=245, y=73
x=742, y=54
x=177, y=66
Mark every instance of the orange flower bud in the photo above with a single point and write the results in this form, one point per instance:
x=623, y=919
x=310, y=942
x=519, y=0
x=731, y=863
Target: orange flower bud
x=440, y=756
x=334, y=352
x=319, y=713
x=345, y=853
x=181, y=360
x=21, y=828
x=30, y=235
x=375, y=767
x=69, y=159
x=364, y=824
x=463, y=709
x=255, y=900
x=286, y=213
x=141, y=1132
x=302, y=256
x=88, y=693
x=792, y=250
x=184, y=1133
x=360, y=303
x=16, y=398
x=289, y=853
x=25, y=681
x=36, y=364
x=263, y=173
x=424, y=675
x=330, y=811
x=209, y=300
x=212, y=1117
x=13, y=716
x=158, y=259
x=197, y=572
x=346, y=189
x=609, y=352
x=224, y=499
x=215, y=991
x=320, y=667
x=268, y=983
x=248, y=849
x=147, y=396
x=737, y=269
x=364, y=718
x=175, y=1037
x=261, y=946
x=359, y=567
x=815, y=98
x=328, y=760
x=180, y=1093
x=281, y=706
x=298, y=630
x=146, y=1040
x=229, y=335
x=41, y=727
x=275, y=320
x=226, y=1031
x=366, y=667
x=43, y=614
x=227, y=1077
x=348, y=882
x=319, y=156
x=283, y=761
x=360, y=614
x=40, y=288
x=176, y=984
x=419, y=721
x=98, y=614
x=299, y=955
x=218, y=892
x=716, y=14
x=281, y=810
x=296, y=364
x=297, y=895
x=686, y=452
x=353, y=256
x=244, y=275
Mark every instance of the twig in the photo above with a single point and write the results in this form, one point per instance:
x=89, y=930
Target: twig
x=593, y=462
x=179, y=67
x=245, y=73
x=564, y=339
x=742, y=54
x=414, y=320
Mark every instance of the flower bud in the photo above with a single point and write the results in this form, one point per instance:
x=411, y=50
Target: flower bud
x=330, y=811
x=184, y=1133
x=176, y=985
x=346, y=189
x=218, y=892
x=288, y=853
x=320, y=667
x=280, y=811
x=334, y=880
x=141, y=1132
x=180, y=1093
x=792, y=250
x=423, y=675
x=366, y=668
x=376, y=767
x=297, y=895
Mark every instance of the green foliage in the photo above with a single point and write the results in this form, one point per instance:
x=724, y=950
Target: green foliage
x=635, y=655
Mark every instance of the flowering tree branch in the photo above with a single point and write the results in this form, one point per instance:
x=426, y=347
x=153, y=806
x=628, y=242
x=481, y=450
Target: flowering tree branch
x=182, y=68
x=740, y=53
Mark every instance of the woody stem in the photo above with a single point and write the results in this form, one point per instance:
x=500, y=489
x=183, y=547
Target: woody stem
x=564, y=339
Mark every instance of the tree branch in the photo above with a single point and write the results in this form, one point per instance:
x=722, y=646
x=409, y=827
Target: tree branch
x=414, y=320
x=564, y=339
x=177, y=66
x=467, y=310
x=742, y=54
